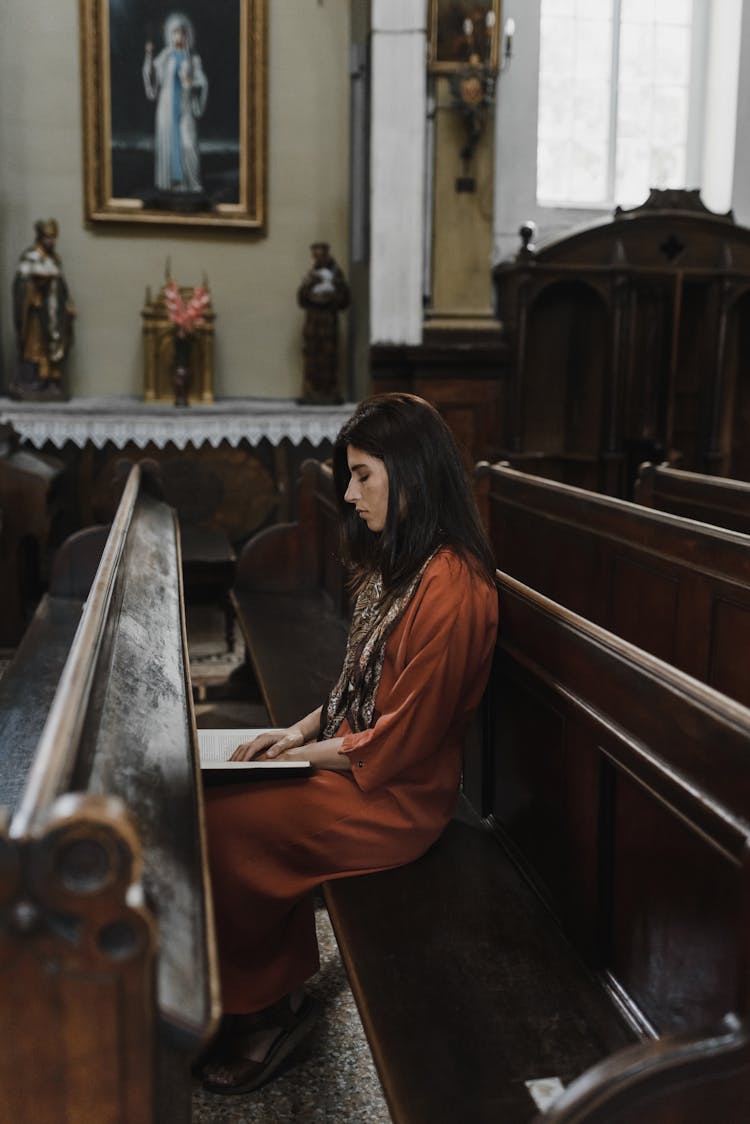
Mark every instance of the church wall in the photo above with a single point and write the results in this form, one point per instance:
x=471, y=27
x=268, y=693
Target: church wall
x=253, y=278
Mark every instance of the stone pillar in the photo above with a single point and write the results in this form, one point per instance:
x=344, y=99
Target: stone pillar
x=397, y=142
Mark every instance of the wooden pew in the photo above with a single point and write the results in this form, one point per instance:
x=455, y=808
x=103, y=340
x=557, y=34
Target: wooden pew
x=594, y=926
x=291, y=603
x=676, y=588
x=585, y=915
x=29, y=498
x=709, y=499
x=107, y=959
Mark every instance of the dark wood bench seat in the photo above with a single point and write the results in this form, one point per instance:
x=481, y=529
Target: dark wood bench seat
x=208, y=564
x=466, y=986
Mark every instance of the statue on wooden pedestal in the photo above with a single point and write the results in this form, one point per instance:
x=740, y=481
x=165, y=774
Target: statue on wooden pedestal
x=43, y=318
x=323, y=293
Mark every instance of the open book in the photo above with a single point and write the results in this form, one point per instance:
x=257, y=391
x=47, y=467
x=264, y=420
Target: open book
x=217, y=746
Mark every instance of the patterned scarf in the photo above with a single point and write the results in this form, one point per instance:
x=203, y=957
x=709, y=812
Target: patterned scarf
x=373, y=620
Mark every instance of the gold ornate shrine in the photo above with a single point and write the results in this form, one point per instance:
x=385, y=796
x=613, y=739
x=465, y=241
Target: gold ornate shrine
x=159, y=352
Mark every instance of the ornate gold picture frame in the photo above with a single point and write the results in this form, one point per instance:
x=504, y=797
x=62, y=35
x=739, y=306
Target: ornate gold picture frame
x=461, y=29
x=175, y=112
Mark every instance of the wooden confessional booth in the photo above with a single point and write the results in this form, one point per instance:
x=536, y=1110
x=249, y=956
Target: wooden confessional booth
x=629, y=340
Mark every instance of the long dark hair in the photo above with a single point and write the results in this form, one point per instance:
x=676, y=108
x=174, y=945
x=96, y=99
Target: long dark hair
x=430, y=500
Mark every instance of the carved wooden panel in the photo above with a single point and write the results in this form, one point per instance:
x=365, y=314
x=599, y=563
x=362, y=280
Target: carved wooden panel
x=643, y=605
x=528, y=798
x=730, y=648
x=226, y=487
x=675, y=914
x=629, y=339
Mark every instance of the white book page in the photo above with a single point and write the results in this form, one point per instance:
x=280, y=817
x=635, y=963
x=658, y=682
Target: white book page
x=217, y=746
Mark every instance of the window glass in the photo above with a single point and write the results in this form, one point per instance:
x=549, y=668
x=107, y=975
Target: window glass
x=574, y=99
x=614, y=86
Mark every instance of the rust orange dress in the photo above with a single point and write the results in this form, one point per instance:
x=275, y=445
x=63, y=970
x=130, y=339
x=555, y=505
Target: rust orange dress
x=271, y=843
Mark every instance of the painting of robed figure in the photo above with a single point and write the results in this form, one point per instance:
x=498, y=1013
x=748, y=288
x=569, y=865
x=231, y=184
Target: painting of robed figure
x=175, y=111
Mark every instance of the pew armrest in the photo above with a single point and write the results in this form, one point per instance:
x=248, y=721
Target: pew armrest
x=685, y=1078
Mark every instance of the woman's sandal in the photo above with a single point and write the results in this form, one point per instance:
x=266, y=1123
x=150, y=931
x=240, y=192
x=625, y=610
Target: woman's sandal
x=229, y=1071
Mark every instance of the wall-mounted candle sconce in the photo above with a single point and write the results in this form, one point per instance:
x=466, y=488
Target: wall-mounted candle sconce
x=473, y=90
x=472, y=83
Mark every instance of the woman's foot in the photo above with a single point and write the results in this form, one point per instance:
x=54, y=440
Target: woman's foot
x=251, y=1048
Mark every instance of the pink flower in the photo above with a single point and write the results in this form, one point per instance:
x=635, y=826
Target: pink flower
x=186, y=317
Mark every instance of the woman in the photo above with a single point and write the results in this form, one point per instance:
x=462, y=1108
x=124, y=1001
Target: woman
x=386, y=744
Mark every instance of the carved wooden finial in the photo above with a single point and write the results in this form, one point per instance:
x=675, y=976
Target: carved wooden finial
x=528, y=233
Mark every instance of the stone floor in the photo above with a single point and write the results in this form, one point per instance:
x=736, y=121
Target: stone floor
x=331, y=1078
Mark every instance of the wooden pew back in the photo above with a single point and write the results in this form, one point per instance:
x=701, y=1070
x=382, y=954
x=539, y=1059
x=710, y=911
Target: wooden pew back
x=676, y=588
x=302, y=555
x=32, y=511
x=107, y=949
x=290, y=584
x=623, y=788
x=710, y=499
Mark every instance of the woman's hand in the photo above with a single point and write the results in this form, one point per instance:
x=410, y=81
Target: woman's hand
x=291, y=745
x=270, y=745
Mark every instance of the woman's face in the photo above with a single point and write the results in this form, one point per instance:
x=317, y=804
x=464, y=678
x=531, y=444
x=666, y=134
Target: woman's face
x=368, y=487
x=178, y=37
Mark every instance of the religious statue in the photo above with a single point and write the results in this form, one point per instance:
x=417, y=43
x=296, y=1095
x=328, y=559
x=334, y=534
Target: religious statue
x=43, y=318
x=323, y=293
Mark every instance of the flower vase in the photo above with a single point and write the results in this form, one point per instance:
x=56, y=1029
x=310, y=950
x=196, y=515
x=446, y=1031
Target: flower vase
x=181, y=376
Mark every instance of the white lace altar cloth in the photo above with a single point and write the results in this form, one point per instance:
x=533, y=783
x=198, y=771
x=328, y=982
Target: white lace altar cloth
x=126, y=420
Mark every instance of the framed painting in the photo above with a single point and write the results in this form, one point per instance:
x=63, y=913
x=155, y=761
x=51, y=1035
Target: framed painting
x=463, y=32
x=174, y=112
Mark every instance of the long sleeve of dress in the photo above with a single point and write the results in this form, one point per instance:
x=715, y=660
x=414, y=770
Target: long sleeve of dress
x=439, y=660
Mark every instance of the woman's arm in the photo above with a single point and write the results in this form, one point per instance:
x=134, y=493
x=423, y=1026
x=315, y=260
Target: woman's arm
x=324, y=755
x=447, y=645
